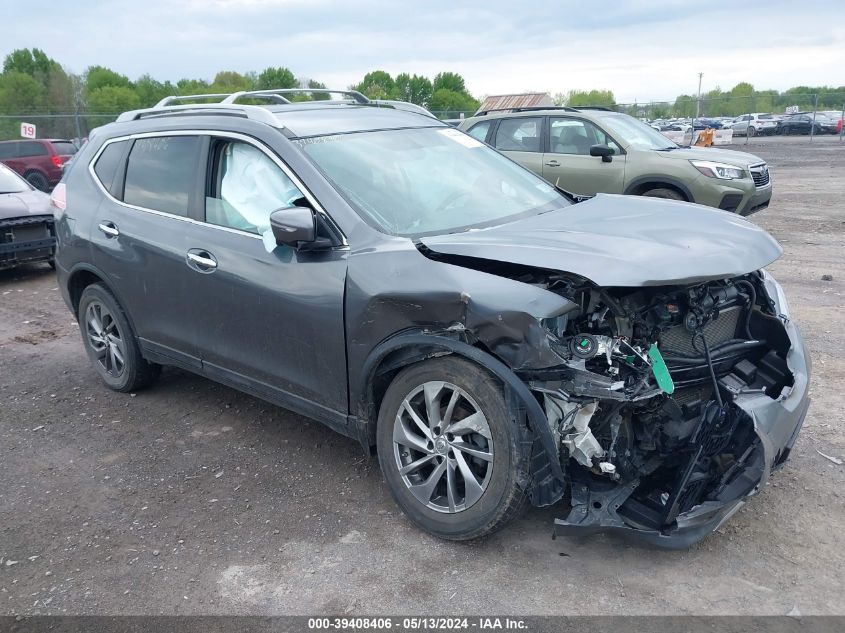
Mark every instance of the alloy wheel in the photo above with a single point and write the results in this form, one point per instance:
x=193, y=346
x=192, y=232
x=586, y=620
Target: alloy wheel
x=443, y=447
x=105, y=339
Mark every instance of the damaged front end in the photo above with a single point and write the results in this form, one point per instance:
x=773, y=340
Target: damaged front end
x=670, y=404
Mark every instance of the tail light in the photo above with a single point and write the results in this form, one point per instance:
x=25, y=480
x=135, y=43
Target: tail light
x=57, y=161
x=58, y=199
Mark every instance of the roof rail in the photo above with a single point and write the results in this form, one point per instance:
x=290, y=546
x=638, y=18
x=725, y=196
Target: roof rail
x=601, y=108
x=255, y=113
x=169, y=100
x=279, y=92
x=525, y=109
x=405, y=106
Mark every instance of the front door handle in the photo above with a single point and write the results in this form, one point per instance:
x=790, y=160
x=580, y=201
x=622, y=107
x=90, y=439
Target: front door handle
x=202, y=259
x=109, y=229
x=552, y=163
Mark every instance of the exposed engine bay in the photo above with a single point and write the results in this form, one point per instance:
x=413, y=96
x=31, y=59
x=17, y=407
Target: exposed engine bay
x=644, y=410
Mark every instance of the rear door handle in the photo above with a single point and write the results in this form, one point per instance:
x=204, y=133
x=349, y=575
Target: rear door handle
x=203, y=260
x=109, y=229
x=552, y=163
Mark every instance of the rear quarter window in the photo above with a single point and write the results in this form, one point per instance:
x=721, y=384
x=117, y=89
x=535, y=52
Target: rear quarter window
x=160, y=173
x=64, y=148
x=108, y=164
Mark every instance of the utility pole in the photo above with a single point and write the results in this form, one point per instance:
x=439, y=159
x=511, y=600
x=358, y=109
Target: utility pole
x=698, y=103
x=697, y=110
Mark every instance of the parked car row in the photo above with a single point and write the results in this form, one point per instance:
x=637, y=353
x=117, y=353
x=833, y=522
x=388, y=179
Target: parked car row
x=759, y=123
x=804, y=122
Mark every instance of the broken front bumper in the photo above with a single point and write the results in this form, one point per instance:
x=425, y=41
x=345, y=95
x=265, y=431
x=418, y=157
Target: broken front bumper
x=777, y=423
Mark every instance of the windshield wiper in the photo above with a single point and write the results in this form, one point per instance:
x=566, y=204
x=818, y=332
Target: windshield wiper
x=666, y=149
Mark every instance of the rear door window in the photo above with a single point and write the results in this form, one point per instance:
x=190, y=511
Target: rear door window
x=161, y=173
x=519, y=135
x=8, y=150
x=32, y=148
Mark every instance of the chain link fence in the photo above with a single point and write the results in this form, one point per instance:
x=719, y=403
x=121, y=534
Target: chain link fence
x=78, y=125
x=727, y=105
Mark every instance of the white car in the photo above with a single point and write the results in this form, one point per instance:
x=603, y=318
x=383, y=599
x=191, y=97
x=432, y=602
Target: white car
x=754, y=124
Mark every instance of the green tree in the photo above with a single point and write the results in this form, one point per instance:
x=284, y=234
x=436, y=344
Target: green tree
x=109, y=99
x=449, y=81
x=450, y=103
x=575, y=98
x=193, y=87
x=34, y=63
x=414, y=88
x=150, y=91
x=230, y=81
x=377, y=84
x=278, y=77
x=740, y=99
x=98, y=77
x=684, y=106
x=21, y=94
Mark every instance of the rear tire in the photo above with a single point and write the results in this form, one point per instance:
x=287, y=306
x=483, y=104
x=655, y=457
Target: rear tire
x=110, y=342
x=430, y=445
x=663, y=192
x=752, y=131
x=38, y=180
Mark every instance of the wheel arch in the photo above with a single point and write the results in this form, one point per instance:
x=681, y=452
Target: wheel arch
x=84, y=275
x=407, y=348
x=639, y=186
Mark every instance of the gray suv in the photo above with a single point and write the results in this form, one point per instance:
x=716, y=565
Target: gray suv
x=489, y=338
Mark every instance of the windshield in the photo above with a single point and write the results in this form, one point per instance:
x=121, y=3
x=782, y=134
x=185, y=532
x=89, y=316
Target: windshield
x=10, y=182
x=637, y=134
x=428, y=181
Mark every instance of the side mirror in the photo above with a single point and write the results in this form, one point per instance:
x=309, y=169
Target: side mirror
x=602, y=150
x=294, y=226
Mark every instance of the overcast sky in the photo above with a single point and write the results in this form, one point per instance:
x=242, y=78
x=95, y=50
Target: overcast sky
x=638, y=51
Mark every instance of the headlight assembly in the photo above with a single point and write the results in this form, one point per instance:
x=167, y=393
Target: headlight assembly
x=722, y=171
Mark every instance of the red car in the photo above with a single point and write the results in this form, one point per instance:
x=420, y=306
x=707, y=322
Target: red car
x=39, y=161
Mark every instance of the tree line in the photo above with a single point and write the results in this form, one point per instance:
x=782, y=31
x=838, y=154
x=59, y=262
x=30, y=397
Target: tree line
x=33, y=83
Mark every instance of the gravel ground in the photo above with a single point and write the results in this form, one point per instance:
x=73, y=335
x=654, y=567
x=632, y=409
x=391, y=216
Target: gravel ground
x=191, y=498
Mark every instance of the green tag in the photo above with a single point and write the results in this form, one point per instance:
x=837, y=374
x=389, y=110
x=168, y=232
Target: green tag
x=660, y=371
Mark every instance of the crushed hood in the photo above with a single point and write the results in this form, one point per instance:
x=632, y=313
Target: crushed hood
x=623, y=241
x=24, y=203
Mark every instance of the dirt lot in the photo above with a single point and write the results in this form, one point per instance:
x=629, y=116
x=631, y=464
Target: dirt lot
x=191, y=498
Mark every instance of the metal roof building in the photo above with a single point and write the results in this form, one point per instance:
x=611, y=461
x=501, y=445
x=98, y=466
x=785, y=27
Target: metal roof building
x=524, y=100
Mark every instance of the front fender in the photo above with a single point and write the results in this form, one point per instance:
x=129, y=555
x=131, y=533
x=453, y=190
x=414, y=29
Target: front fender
x=425, y=344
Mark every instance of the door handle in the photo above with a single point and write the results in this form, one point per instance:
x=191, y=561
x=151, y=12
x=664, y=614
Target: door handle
x=109, y=229
x=202, y=259
x=552, y=163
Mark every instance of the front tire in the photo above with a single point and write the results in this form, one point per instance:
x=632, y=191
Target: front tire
x=663, y=192
x=38, y=180
x=110, y=342
x=449, y=449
